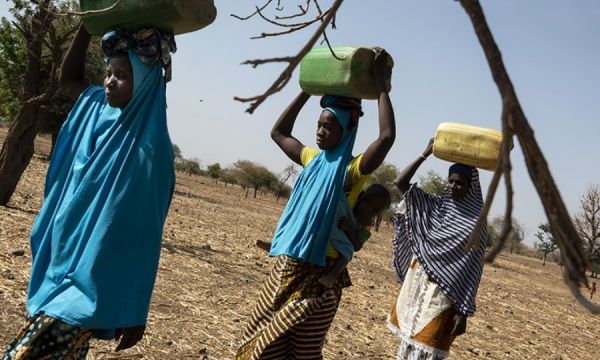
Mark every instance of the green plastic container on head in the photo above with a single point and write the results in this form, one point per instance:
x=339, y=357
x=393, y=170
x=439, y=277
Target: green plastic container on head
x=177, y=16
x=321, y=73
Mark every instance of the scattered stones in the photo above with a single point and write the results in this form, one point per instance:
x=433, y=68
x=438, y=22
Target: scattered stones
x=475, y=351
x=8, y=275
x=18, y=253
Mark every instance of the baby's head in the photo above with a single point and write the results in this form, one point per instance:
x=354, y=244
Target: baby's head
x=371, y=202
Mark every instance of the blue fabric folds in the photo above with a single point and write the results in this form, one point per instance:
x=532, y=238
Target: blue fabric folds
x=305, y=225
x=96, y=241
x=338, y=238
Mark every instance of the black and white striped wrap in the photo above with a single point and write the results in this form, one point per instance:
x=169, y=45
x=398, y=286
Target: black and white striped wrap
x=436, y=229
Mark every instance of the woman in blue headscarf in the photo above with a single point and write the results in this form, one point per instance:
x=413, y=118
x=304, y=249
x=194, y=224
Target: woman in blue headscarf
x=96, y=240
x=294, y=312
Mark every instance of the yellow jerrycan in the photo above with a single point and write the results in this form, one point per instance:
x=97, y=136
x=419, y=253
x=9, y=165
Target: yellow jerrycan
x=467, y=144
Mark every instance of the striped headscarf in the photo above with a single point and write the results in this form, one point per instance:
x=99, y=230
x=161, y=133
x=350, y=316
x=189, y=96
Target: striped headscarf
x=436, y=229
x=150, y=45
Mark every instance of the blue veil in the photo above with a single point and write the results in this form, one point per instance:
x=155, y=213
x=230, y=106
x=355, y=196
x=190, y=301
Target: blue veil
x=305, y=225
x=96, y=240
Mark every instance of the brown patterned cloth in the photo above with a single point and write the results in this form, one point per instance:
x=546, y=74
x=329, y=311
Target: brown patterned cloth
x=45, y=338
x=293, y=313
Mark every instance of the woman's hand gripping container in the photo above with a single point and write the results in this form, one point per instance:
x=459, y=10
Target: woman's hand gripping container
x=321, y=73
x=469, y=145
x=176, y=16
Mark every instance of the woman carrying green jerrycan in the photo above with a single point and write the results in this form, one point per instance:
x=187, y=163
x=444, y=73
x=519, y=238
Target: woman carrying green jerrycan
x=294, y=310
x=96, y=240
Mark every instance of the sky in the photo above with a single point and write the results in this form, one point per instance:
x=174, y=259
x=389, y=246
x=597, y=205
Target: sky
x=550, y=48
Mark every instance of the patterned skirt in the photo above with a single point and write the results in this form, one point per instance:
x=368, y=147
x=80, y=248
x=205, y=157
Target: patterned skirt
x=422, y=317
x=293, y=313
x=46, y=338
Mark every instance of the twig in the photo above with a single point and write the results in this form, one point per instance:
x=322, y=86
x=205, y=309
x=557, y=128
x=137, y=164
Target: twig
x=325, y=38
x=84, y=13
x=506, y=170
x=285, y=76
x=574, y=286
x=304, y=24
x=559, y=219
x=302, y=12
x=475, y=238
x=289, y=31
x=257, y=62
x=243, y=18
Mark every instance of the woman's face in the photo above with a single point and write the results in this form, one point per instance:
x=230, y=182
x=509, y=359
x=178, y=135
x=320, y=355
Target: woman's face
x=458, y=186
x=329, y=131
x=118, y=81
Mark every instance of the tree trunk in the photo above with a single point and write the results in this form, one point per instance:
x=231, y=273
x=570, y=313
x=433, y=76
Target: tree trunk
x=255, y=190
x=17, y=151
x=544, y=263
x=18, y=146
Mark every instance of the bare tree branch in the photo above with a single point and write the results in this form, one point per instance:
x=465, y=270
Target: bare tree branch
x=325, y=38
x=303, y=11
x=257, y=62
x=254, y=13
x=303, y=24
x=82, y=13
x=475, y=238
x=289, y=31
x=558, y=217
x=285, y=76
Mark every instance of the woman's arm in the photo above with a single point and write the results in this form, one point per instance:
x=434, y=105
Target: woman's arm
x=282, y=130
x=72, y=74
x=377, y=151
x=402, y=182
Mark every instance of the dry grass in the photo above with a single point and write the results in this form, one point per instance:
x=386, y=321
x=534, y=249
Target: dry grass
x=210, y=274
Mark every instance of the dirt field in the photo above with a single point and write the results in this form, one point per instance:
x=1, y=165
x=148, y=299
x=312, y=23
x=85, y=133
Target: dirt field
x=210, y=274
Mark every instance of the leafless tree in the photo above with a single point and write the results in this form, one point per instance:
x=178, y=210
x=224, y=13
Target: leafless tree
x=283, y=178
x=515, y=123
x=587, y=222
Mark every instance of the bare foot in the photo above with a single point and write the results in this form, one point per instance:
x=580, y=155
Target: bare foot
x=263, y=245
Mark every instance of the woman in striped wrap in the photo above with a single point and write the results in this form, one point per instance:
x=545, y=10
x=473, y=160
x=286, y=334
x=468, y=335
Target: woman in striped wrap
x=294, y=310
x=439, y=279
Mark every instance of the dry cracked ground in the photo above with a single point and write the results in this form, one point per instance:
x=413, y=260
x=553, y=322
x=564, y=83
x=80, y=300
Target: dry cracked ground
x=210, y=274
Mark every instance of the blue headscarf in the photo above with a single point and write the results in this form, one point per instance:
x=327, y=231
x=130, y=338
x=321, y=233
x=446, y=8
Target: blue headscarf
x=96, y=241
x=305, y=225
